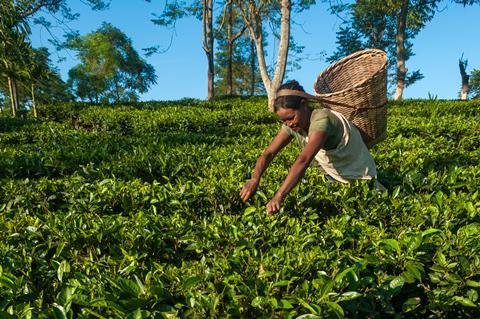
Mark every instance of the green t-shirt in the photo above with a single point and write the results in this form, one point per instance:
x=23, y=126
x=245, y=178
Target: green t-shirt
x=320, y=120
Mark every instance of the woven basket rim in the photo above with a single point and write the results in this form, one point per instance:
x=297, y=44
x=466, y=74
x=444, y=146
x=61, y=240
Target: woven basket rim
x=344, y=59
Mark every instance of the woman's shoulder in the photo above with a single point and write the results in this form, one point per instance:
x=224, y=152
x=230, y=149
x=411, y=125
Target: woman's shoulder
x=319, y=120
x=319, y=114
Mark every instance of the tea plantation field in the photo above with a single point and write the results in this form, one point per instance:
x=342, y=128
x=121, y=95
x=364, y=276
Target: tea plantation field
x=134, y=212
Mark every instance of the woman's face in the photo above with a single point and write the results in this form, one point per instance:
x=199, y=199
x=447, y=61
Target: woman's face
x=297, y=120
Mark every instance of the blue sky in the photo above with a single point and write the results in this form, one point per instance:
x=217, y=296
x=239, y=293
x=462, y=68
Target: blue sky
x=182, y=70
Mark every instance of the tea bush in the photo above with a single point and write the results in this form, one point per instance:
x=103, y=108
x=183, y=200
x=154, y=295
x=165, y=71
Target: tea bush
x=133, y=212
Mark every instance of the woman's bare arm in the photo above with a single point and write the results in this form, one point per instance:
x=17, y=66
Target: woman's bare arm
x=279, y=142
x=315, y=142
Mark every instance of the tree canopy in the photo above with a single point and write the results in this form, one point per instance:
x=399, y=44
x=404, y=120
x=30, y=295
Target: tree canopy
x=387, y=25
x=23, y=68
x=234, y=39
x=49, y=86
x=111, y=70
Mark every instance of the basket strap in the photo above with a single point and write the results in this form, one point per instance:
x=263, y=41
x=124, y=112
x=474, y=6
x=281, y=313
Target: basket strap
x=305, y=95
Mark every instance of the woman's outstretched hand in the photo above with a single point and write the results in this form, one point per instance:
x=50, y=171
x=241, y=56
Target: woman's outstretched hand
x=274, y=205
x=248, y=189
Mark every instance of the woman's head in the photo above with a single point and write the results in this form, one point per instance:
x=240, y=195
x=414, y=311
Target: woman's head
x=289, y=101
x=291, y=109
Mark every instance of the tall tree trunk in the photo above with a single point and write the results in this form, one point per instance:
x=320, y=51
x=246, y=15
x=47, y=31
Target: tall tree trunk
x=117, y=91
x=261, y=62
x=253, y=20
x=12, y=96
x=33, y=101
x=15, y=94
x=401, y=51
x=465, y=77
x=282, y=51
x=230, y=50
x=252, y=67
x=208, y=44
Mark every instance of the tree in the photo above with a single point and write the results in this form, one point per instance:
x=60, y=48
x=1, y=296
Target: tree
x=86, y=85
x=384, y=25
x=16, y=53
x=39, y=70
x=44, y=81
x=110, y=70
x=475, y=84
x=235, y=58
x=242, y=66
x=227, y=36
x=38, y=81
x=255, y=14
x=208, y=43
x=388, y=25
x=470, y=83
x=28, y=8
x=14, y=49
x=203, y=10
x=36, y=11
x=462, y=64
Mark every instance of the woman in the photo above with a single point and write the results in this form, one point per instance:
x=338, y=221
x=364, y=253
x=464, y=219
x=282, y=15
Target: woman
x=325, y=135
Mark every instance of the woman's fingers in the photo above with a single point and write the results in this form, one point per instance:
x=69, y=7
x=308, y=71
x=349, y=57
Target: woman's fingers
x=269, y=209
x=247, y=191
x=245, y=195
x=274, y=205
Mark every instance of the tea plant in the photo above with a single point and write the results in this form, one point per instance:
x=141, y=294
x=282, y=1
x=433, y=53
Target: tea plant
x=133, y=212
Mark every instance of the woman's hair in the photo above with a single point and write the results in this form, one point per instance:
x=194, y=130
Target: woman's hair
x=289, y=101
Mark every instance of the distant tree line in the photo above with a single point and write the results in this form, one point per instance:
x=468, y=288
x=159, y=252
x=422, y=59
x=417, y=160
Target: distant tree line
x=234, y=32
x=241, y=28
x=388, y=25
x=111, y=71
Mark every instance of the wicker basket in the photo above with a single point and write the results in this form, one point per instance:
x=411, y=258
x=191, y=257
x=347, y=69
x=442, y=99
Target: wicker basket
x=356, y=86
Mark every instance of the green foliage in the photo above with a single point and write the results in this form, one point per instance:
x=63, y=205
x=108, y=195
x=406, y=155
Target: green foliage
x=474, y=83
x=36, y=69
x=243, y=51
x=174, y=11
x=373, y=24
x=15, y=51
x=111, y=69
x=49, y=86
x=14, y=44
x=24, y=64
x=133, y=211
